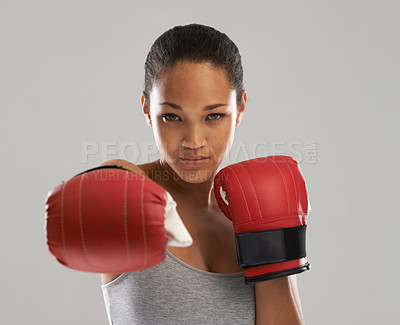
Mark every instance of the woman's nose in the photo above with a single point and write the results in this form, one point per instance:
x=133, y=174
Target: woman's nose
x=194, y=138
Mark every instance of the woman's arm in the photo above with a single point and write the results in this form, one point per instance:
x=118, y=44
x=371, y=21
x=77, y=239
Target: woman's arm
x=278, y=302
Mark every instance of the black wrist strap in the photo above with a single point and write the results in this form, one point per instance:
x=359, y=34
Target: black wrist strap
x=270, y=246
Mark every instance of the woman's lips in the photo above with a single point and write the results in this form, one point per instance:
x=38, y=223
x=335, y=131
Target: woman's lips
x=194, y=161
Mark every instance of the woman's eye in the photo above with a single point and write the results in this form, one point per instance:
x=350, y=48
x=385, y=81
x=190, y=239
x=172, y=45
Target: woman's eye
x=170, y=117
x=215, y=116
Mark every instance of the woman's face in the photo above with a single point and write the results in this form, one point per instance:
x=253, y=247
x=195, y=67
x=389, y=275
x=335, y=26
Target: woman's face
x=193, y=114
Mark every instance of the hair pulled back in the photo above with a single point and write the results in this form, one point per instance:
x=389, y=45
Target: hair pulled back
x=196, y=44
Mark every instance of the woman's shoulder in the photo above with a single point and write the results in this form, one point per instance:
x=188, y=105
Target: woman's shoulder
x=125, y=164
x=150, y=169
x=156, y=173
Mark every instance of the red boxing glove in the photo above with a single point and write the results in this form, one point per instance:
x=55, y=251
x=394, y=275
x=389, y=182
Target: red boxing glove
x=111, y=220
x=266, y=200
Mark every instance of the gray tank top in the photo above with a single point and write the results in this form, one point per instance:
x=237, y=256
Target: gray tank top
x=174, y=292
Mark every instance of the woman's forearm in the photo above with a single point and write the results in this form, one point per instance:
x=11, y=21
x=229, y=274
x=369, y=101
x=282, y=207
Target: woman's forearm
x=278, y=302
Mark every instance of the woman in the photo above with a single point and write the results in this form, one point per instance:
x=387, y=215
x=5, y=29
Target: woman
x=193, y=100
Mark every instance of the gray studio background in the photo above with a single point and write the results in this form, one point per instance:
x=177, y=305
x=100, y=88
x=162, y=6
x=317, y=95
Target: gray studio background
x=322, y=79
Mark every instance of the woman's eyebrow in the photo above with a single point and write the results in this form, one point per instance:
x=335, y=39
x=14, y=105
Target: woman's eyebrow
x=206, y=108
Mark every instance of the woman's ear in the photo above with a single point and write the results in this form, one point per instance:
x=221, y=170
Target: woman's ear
x=241, y=108
x=146, y=109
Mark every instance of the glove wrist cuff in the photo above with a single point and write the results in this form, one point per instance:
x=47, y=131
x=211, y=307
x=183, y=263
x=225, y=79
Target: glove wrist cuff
x=270, y=246
x=251, y=280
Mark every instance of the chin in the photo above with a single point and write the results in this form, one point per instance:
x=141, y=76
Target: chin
x=195, y=175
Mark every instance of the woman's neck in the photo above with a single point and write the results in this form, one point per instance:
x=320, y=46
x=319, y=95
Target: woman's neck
x=201, y=194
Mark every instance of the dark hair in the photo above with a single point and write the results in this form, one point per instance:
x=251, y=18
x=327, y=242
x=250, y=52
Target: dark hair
x=193, y=43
